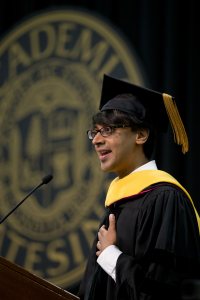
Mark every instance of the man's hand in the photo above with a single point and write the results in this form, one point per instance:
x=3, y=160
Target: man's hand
x=107, y=237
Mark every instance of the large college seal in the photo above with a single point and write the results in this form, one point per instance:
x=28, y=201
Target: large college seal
x=51, y=67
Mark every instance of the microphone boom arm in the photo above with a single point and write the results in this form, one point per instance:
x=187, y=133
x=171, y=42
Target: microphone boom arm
x=45, y=180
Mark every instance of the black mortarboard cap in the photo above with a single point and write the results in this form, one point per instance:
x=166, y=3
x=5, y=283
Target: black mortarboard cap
x=160, y=108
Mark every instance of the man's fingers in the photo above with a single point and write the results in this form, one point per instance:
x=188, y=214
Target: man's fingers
x=103, y=229
x=99, y=245
x=112, y=221
x=98, y=253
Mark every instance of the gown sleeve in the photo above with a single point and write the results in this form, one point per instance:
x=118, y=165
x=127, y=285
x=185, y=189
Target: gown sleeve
x=161, y=250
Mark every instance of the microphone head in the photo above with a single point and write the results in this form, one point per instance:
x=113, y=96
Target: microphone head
x=46, y=179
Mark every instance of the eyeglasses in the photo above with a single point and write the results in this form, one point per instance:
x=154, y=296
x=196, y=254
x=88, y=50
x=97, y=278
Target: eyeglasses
x=104, y=131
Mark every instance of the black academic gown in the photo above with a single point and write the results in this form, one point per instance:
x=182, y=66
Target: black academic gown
x=158, y=235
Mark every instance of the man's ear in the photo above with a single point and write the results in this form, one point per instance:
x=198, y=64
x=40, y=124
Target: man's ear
x=142, y=136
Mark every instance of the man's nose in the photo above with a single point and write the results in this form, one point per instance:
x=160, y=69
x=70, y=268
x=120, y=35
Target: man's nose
x=98, y=139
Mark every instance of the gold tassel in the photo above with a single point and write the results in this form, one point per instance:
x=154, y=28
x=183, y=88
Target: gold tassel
x=180, y=135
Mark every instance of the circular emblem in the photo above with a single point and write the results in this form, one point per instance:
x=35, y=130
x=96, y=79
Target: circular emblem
x=51, y=67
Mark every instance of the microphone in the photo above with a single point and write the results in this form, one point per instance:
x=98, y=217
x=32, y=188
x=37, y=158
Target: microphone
x=46, y=179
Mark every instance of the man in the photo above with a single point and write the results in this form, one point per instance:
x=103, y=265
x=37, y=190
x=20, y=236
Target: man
x=148, y=242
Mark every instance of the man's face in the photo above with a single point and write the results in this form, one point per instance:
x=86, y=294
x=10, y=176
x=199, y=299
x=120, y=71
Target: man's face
x=118, y=152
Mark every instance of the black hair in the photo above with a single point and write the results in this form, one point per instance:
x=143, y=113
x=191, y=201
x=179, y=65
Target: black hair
x=115, y=117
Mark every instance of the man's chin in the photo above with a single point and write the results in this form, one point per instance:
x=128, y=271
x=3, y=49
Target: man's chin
x=106, y=168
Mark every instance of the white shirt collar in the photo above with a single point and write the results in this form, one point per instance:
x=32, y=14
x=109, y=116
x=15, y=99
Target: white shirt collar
x=151, y=165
